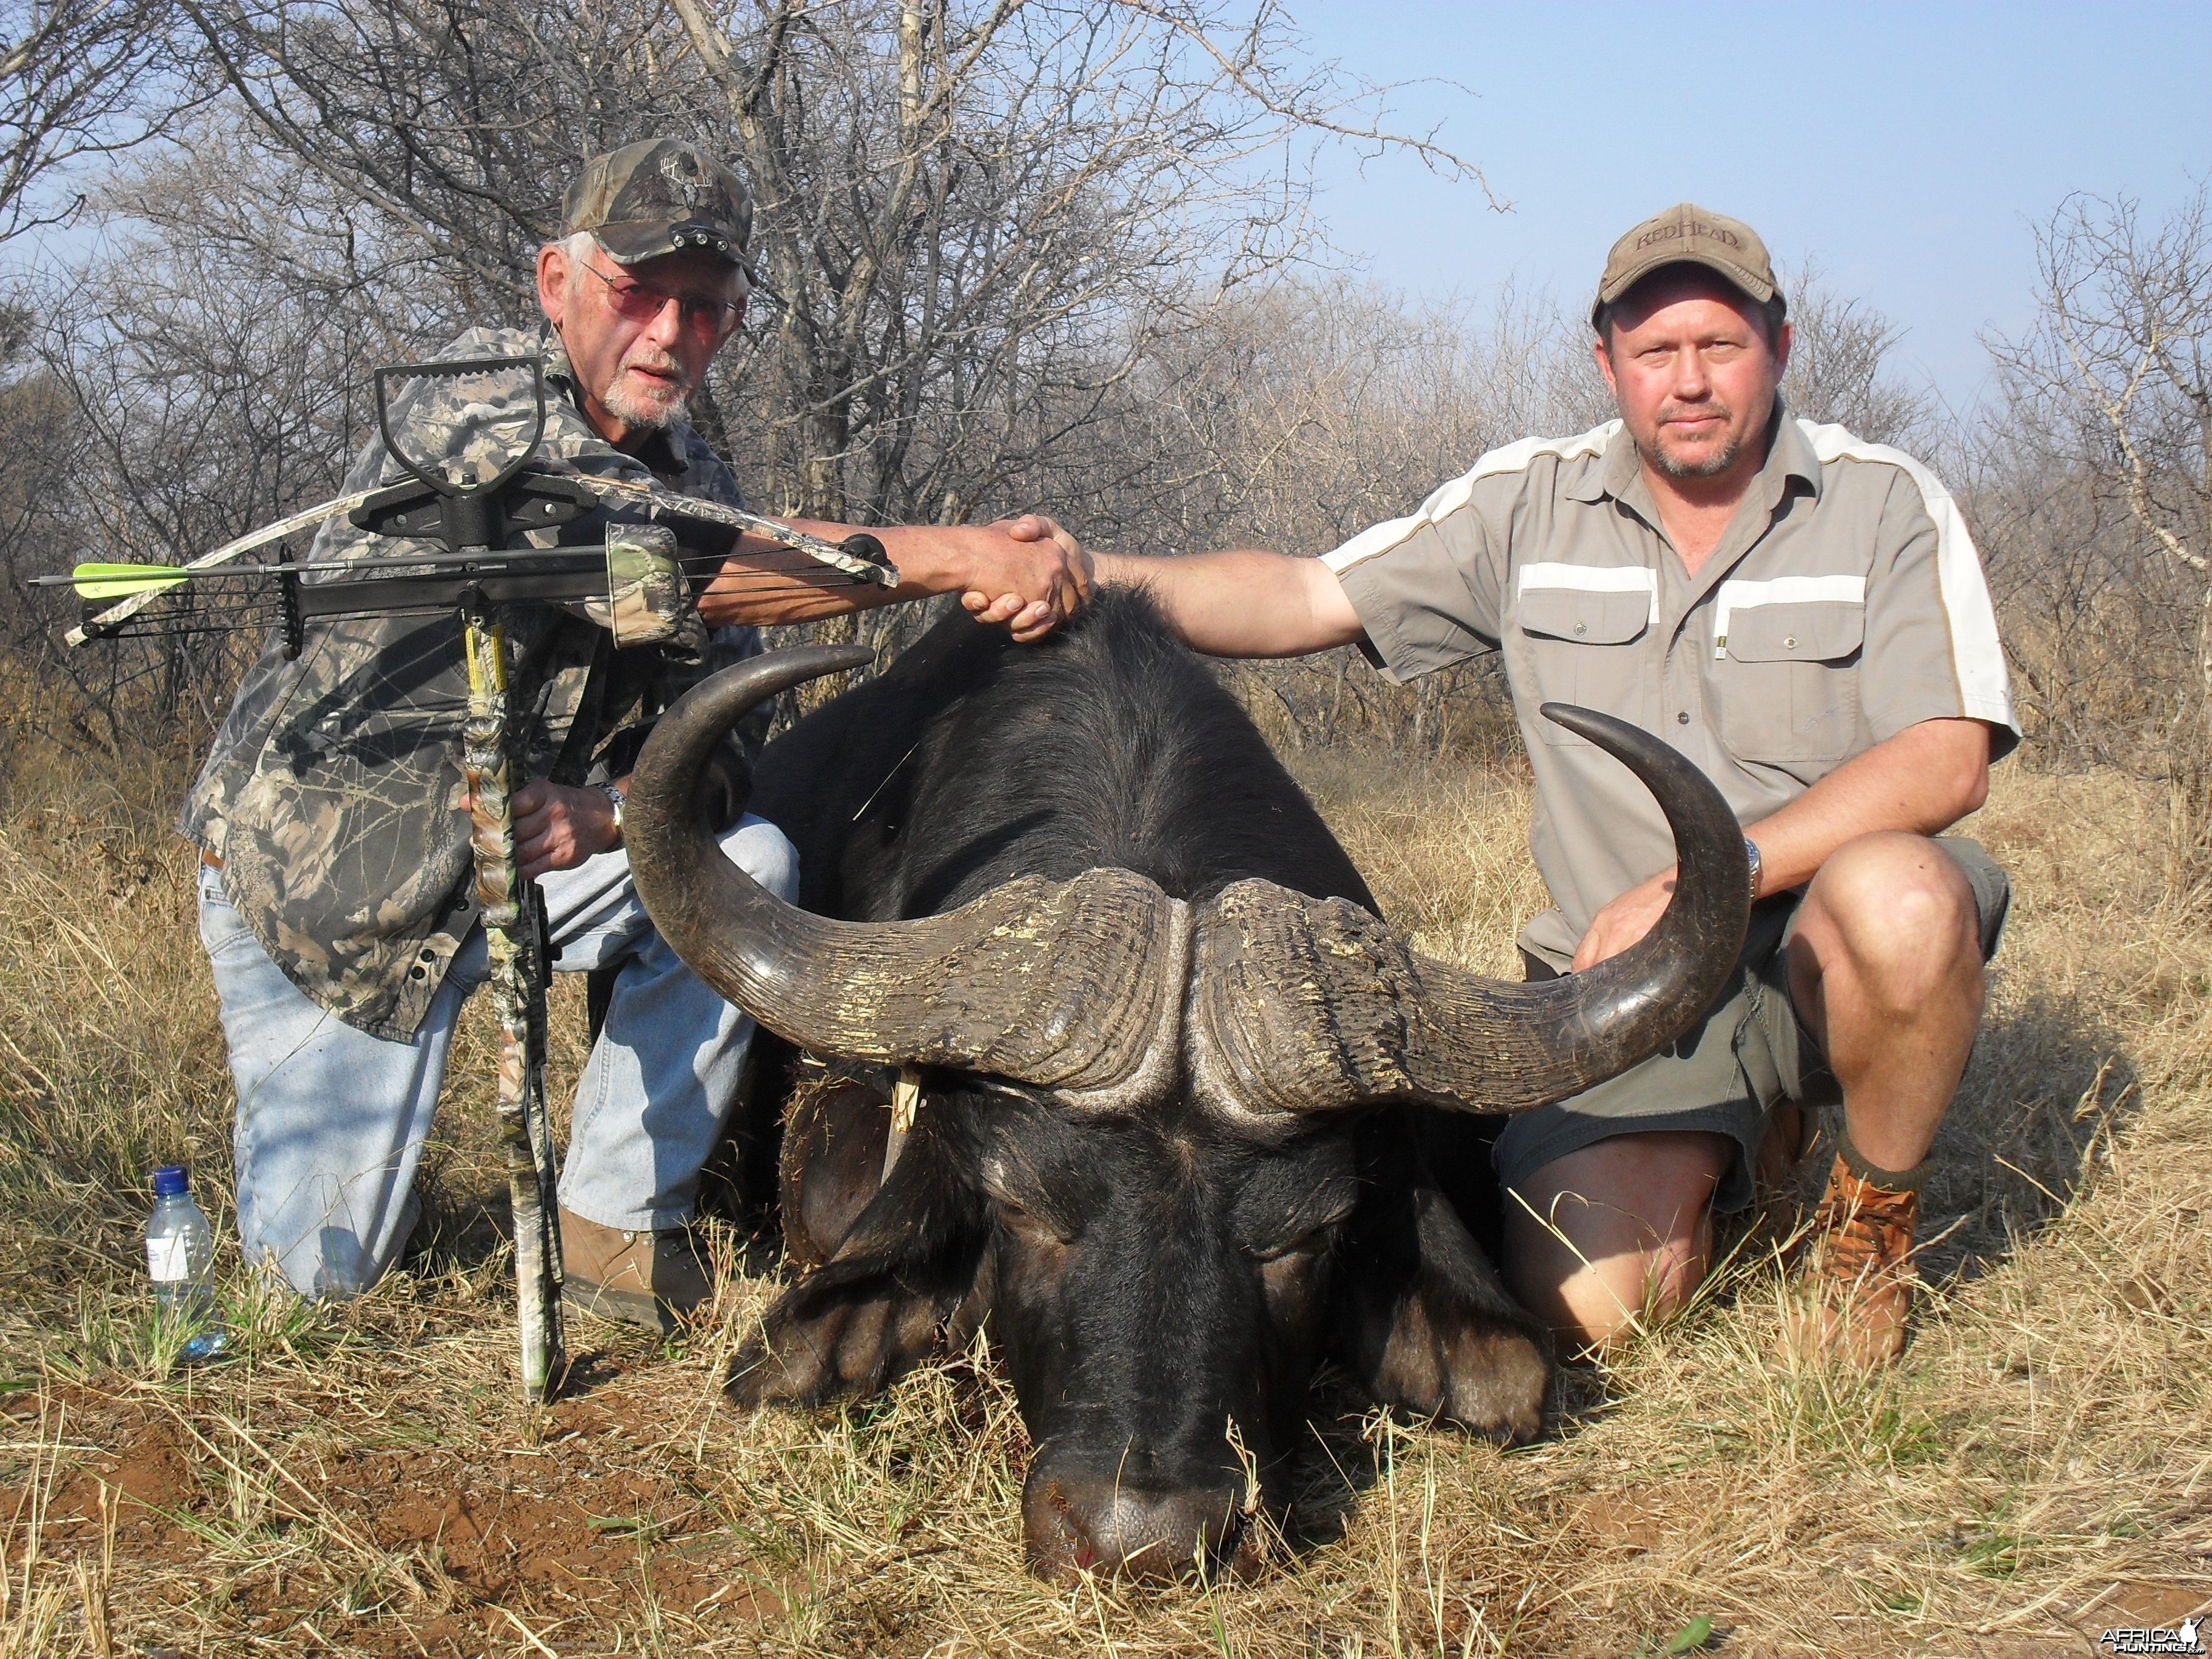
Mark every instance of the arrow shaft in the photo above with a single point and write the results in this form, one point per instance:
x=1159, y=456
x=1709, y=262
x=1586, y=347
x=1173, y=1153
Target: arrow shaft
x=660, y=503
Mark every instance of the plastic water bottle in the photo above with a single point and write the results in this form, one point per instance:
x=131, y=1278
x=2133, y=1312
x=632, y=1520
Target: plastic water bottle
x=180, y=1251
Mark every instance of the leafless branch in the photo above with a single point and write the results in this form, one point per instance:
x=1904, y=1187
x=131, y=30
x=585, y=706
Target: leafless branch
x=79, y=81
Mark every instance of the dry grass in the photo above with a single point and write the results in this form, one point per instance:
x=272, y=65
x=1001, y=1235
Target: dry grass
x=362, y=1481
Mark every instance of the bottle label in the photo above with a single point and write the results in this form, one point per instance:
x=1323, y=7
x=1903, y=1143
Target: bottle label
x=169, y=1260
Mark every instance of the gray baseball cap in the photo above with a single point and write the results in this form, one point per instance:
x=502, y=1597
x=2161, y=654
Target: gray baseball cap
x=1686, y=234
x=661, y=196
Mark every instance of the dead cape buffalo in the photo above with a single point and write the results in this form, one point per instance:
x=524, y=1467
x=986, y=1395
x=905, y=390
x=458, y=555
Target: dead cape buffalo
x=1175, y=1073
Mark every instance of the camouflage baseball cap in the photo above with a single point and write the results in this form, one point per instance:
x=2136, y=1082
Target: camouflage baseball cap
x=660, y=195
x=1686, y=234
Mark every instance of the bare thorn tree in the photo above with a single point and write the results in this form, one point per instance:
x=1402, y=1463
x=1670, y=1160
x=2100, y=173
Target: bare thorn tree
x=1840, y=366
x=2124, y=341
x=976, y=220
x=80, y=80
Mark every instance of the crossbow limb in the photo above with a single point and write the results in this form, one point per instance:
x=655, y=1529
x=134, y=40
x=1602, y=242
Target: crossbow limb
x=861, y=558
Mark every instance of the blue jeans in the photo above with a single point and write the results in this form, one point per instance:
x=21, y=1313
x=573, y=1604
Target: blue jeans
x=331, y=1120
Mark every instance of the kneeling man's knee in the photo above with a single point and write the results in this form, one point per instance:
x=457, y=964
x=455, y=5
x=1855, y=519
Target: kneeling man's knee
x=1615, y=1233
x=1897, y=901
x=764, y=853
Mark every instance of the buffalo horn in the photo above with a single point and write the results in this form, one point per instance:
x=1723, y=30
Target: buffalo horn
x=1302, y=1005
x=1069, y=986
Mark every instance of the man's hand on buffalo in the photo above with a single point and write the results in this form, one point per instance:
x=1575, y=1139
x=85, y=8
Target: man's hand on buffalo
x=557, y=827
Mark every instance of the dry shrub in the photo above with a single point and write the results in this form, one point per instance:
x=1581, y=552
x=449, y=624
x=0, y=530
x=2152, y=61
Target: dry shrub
x=362, y=1480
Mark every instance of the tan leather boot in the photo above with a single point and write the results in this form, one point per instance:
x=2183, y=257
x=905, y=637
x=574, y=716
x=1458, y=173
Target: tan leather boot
x=1857, y=1290
x=652, y=1279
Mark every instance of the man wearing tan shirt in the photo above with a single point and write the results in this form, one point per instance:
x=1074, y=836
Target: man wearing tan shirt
x=1804, y=614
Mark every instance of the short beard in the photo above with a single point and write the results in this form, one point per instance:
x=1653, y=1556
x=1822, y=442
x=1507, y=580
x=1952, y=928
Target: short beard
x=654, y=415
x=1711, y=467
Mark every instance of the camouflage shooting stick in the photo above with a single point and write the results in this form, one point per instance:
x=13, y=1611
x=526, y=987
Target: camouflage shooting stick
x=635, y=585
x=471, y=517
x=514, y=929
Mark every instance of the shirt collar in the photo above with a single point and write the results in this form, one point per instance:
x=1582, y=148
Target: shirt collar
x=1621, y=471
x=557, y=367
x=1791, y=457
x=1620, y=474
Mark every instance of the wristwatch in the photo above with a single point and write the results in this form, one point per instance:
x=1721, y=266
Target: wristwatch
x=616, y=799
x=1750, y=852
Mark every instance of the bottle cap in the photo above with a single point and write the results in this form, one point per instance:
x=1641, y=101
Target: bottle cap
x=170, y=1180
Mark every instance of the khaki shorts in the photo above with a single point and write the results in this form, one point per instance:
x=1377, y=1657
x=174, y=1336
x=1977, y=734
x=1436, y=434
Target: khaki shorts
x=1728, y=1072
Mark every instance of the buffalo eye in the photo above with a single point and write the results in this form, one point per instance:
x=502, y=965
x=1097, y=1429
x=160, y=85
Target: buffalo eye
x=1310, y=1242
x=1023, y=1204
x=1293, y=1272
x=1025, y=1224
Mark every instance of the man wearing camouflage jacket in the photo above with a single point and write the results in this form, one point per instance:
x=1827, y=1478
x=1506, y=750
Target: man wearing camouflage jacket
x=338, y=902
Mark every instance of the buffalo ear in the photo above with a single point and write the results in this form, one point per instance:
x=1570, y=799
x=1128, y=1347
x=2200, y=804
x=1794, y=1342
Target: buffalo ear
x=1419, y=1316
x=909, y=1275
x=831, y=1164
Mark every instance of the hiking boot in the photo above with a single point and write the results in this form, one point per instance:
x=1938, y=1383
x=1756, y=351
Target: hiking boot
x=1857, y=1290
x=648, y=1278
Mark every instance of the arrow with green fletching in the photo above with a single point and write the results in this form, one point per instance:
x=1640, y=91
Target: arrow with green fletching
x=131, y=603
x=121, y=582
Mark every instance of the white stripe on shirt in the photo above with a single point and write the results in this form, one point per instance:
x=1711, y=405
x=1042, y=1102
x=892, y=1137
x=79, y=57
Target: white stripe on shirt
x=1733, y=596
x=1978, y=661
x=1449, y=498
x=1591, y=578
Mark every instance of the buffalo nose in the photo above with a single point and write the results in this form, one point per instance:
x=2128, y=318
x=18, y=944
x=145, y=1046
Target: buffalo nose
x=1127, y=1531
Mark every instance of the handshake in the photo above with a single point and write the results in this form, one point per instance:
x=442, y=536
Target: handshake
x=1026, y=574
x=1030, y=576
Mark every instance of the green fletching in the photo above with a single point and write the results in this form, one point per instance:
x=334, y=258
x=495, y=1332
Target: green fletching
x=120, y=581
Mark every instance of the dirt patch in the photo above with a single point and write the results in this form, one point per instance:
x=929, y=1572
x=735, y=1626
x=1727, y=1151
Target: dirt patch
x=144, y=1486
x=152, y=1471
x=2155, y=1607
x=1623, y=1521
x=1630, y=1521
x=559, y=1518
x=411, y=1538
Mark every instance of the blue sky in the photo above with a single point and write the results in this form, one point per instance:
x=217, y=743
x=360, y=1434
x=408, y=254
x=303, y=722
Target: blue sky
x=1908, y=148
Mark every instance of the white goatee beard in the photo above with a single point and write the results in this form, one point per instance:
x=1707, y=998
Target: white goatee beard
x=654, y=414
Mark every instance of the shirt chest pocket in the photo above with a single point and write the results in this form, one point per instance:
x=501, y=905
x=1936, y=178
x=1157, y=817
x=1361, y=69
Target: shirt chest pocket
x=1786, y=678
x=1582, y=648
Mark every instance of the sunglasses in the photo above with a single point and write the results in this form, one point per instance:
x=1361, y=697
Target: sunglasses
x=637, y=301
